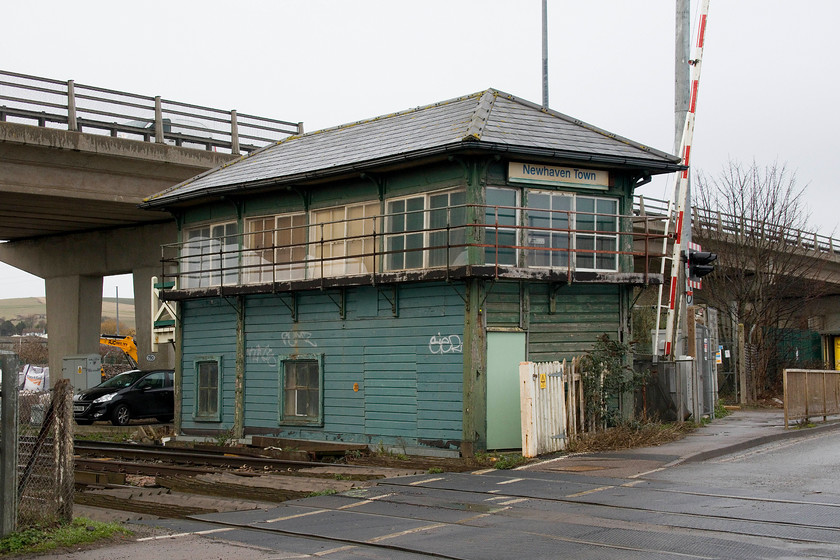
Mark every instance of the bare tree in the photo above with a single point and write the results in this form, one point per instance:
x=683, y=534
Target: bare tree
x=32, y=350
x=752, y=217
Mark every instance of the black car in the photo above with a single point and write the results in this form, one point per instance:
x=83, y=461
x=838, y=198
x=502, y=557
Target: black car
x=131, y=394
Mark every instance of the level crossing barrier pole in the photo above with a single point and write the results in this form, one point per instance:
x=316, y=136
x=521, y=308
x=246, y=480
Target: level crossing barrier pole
x=8, y=444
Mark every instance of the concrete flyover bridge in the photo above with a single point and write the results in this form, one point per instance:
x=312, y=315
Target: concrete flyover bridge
x=812, y=257
x=75, y=161
x=821, y=253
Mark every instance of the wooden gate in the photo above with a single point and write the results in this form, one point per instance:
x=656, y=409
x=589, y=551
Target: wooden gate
x=551, y=397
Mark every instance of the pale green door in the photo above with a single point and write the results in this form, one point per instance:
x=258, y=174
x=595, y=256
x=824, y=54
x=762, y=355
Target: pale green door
x=504, y=352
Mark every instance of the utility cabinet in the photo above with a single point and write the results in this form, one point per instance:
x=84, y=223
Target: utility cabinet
x=84, y=371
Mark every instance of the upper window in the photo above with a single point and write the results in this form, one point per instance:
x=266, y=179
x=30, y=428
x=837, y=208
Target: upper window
x=426, y=231
x=210, y=255
x=342, y=240
x=501, y=216
x=275, y=248
x=564, y=225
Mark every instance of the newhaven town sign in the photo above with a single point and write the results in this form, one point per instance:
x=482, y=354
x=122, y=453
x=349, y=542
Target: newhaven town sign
x=519, y=172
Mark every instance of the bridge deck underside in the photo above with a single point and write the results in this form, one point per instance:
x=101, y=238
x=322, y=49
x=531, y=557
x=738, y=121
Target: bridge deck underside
x=30, y=215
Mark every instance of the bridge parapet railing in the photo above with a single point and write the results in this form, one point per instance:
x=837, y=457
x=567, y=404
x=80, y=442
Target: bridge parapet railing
x=706, y=220
x=65, y=104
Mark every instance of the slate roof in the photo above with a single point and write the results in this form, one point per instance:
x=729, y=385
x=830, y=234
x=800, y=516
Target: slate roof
x=487, y=120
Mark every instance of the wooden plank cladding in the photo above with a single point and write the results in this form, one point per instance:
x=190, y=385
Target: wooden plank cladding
x=385, y=377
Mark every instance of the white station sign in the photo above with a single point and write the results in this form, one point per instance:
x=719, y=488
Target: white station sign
x=519, y=172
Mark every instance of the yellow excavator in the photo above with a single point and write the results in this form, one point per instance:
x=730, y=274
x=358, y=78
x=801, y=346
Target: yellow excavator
x=124, y=343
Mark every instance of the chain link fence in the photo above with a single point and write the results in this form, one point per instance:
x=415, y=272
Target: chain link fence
x=45, y=477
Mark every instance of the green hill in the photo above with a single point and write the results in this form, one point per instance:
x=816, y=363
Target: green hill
x=14, y=309
x=18, y=308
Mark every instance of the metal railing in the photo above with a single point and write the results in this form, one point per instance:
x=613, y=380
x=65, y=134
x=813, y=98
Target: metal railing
x=810, y=393
x=371, y=246
x=722, y=223
x=76, y=107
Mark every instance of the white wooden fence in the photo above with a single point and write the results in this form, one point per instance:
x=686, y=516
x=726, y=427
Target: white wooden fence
x=551, y=397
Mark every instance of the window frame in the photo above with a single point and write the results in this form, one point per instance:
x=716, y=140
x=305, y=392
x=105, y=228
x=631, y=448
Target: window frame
x=428, y=257
x=295, y=420
x=282, y=267
x=576, y=235
x=198, y=414
x=340, y=264
x=490, y=229
x=206, y=253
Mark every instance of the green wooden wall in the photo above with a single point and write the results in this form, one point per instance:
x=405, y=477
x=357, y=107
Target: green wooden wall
x=564, y=328
x=409, y=368
x=208, y=331
x=582, y=313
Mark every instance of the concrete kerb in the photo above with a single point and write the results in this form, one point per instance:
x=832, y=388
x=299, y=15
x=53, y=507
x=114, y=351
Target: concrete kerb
x=789, y=433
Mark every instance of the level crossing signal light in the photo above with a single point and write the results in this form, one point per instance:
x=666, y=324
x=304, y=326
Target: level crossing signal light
x=700, y=263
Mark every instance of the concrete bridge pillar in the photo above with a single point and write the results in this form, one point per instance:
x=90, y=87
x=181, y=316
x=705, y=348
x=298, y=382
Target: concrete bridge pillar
x=73, y=267
x=74, y=311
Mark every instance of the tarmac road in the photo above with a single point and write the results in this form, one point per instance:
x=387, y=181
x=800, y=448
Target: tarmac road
x=740, y=488
x=808, y=465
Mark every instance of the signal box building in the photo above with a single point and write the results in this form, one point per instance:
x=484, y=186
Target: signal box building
x=379, y=282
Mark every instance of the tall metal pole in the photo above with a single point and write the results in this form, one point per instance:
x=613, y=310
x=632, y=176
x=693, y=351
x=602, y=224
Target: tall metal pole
x=678, y=292
x=117, y=288
x=545, y=53
x=682, y=70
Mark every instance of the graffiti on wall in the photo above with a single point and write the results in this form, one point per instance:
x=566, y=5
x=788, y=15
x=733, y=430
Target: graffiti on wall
x=448, y=344
x=261, y=355
x=295, y=338
x=264, y=354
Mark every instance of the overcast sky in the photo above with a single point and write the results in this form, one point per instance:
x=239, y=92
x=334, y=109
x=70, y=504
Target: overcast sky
x=768, y=88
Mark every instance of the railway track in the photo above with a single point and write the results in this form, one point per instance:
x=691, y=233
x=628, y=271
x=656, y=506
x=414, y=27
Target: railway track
x=186, y=481
x=223, y=458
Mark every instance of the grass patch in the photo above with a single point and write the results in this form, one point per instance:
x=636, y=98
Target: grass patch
x=509, y=461
x=628, y=436
x=327, y=492
x=44, y=539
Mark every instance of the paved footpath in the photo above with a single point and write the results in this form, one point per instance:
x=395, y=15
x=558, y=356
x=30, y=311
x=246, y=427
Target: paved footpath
x=743, y=429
